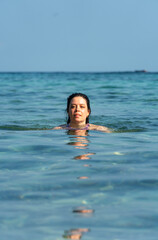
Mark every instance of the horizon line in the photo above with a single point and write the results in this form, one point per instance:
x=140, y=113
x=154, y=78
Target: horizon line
x=125, y=71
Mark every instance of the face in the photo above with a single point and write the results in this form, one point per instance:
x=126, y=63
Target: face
x=78, y=110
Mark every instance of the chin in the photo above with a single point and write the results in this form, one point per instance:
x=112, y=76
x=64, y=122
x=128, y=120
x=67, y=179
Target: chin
x=77, y=121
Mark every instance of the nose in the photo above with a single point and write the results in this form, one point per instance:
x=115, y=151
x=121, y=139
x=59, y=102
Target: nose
x=77, y=108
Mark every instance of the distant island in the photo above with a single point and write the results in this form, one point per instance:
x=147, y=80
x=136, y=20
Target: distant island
x=140, y=71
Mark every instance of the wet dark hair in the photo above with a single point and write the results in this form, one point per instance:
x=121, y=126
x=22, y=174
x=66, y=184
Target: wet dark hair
x=78, y=95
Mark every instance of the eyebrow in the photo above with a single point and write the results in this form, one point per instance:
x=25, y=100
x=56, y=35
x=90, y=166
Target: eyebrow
x=78, y=104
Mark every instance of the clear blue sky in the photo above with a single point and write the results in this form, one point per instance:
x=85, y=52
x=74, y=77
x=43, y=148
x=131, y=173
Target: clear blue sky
x=78, y=35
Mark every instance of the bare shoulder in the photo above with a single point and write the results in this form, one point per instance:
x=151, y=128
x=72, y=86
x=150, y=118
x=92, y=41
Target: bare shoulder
x=99, y=128
x=59, y=127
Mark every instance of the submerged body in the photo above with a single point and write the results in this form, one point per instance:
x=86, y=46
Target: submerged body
x=87, y=127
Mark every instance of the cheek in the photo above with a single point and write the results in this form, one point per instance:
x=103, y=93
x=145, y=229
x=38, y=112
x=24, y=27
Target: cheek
x=70, y=112
x=86, y=113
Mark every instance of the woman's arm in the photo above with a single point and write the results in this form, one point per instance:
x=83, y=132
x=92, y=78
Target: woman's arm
x=99, y=128
x=59, y=127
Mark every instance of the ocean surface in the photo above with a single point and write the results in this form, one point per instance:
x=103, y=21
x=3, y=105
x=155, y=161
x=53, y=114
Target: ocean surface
x=56, y=184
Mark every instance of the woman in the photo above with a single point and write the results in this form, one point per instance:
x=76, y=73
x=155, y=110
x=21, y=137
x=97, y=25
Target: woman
x=78, y=110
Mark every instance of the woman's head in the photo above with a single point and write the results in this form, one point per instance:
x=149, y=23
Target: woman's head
x=78, y=102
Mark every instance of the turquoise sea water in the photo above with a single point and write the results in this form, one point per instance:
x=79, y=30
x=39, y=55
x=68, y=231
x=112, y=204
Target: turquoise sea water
x=56, y=184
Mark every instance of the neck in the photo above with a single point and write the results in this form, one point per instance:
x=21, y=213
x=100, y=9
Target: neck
x=77, y=125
